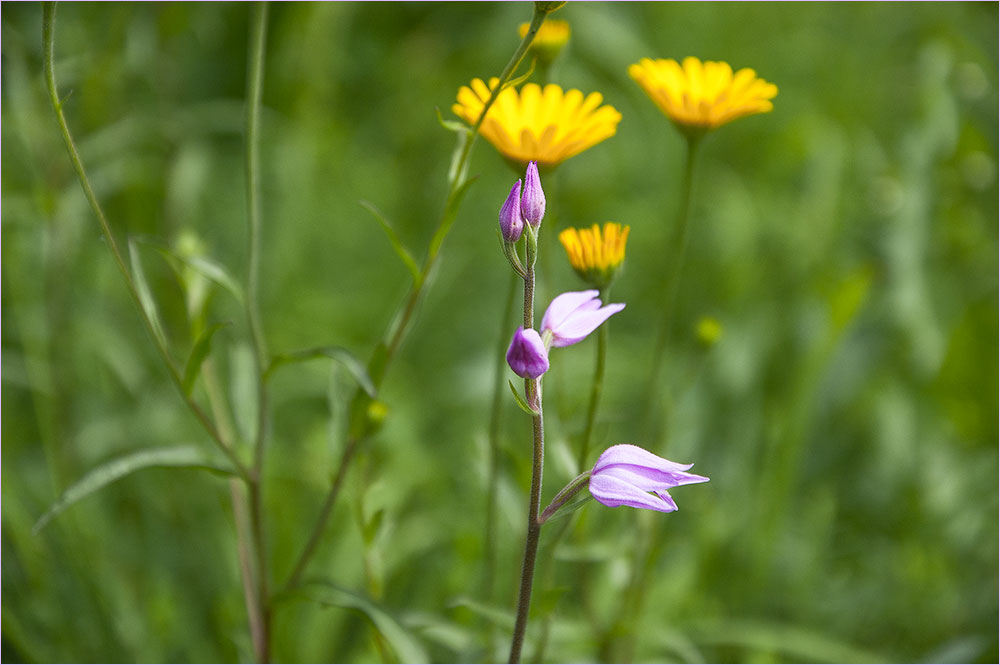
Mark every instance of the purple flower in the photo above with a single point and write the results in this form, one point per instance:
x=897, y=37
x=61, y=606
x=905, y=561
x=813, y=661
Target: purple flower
x=511, y=223
x=574, y=315
x=533, y=201
x=625, y=475
x=527, y=355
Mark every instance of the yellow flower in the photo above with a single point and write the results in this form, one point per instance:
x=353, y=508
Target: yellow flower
x=549, y=40
x=534, y=125
x=703, y=96
x=596, y=257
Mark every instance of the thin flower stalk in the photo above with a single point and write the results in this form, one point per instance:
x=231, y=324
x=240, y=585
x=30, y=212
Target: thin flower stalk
x=671, y=284
x=255, y=80
x=359, y=430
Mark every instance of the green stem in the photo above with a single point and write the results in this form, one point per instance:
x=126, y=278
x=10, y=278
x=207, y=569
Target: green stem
x=596, y=389
x=255, y=79
x=672, y=284
x=456, y=188
x=48, y=41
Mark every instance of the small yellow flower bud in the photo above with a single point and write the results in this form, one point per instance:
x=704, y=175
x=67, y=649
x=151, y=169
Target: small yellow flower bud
x=708, y=331
x=549, y=41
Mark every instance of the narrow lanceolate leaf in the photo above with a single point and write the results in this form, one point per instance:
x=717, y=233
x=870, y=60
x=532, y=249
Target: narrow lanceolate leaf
x=522, y=78
x=520, y=400
x=454, y=201
x=145, y=295
x=176, y=456
x=339, y=354
x=401, y=251
x=215, y=272
x=452, y=125
x=202, y=347
x=407, y=647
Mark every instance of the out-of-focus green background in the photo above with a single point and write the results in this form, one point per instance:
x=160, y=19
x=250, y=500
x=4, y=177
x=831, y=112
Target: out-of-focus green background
x=846, y=242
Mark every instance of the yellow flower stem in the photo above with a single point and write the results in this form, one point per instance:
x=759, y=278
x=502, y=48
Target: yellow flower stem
x=384, y=353
x=649, y=544
x=672, y=285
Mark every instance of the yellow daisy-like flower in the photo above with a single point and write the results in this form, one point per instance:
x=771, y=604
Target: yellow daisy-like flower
x=547, y=126
x=549, y=40
x=703, y=95
x=596, y=257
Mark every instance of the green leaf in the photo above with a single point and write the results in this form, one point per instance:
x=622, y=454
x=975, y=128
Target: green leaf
x=176, y=456
x=520, y=400
x=215, y=272
x=203, y=265
x=522, y=78
x=797, y=643
x=452, y=125
x=397, y=245
x=450, y=212
x=407, y=647
x=503, y=619
x=144, y=293
x=337, y=353
x=202, y=347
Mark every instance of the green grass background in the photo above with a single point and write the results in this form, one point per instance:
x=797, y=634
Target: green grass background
x=847, y=243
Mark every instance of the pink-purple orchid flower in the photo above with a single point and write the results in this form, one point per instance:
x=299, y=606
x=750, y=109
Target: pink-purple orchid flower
x=627, y=475
x=569, y=318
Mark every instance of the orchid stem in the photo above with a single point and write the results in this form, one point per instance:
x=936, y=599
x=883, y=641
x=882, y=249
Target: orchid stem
x=397, y=332
x=533, y=393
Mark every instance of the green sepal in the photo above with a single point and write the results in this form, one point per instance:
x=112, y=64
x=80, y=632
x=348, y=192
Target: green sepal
x=520, y=400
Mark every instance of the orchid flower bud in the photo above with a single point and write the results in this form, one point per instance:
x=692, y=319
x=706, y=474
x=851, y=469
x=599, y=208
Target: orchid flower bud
x=527, y=355
x=533, y=200
x=511, y=224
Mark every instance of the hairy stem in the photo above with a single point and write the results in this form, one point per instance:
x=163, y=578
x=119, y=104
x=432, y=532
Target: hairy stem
x=533, y=393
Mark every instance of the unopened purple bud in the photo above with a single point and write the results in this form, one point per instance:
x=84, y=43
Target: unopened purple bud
x=533, y=201
x=527, y=355
x=511, y=224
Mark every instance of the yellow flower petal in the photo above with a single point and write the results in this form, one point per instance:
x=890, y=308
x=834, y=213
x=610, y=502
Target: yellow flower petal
x=703, y=95
x=544, y=125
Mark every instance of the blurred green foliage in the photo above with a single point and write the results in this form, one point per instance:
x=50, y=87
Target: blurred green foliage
x=846, y=243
